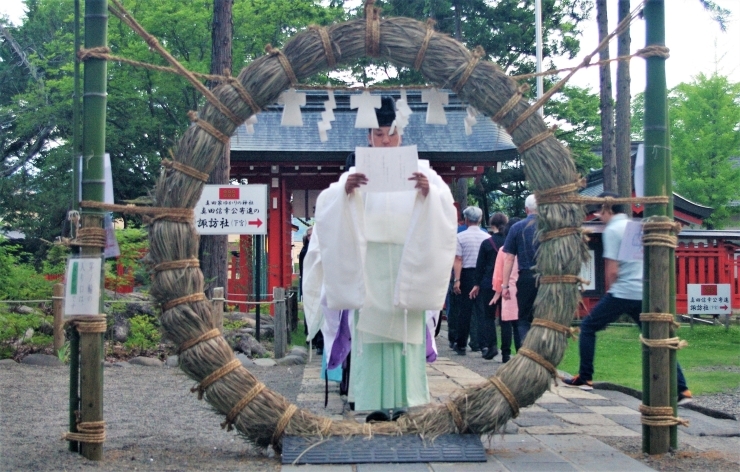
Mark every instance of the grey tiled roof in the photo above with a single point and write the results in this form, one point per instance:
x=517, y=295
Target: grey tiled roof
x=269, y=136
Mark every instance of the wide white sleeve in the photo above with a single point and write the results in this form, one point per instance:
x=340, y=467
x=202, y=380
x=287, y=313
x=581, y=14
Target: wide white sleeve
x=429, y=250
x=339, y=221
x=313, y=279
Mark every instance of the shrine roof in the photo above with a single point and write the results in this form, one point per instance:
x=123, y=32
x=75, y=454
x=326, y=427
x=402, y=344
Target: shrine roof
x=270, y=142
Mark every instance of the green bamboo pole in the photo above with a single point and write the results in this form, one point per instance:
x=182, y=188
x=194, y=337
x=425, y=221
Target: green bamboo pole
x=657, y=175
x=74, y=343
x=672, y=289
x=93, y=186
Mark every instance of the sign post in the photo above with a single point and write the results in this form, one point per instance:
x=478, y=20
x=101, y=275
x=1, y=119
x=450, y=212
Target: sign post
x=232, y=209
x=709, y=299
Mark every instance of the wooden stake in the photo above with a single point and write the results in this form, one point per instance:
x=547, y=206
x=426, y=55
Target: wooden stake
x=218, y=308
x=278, y=295
x=57, y=305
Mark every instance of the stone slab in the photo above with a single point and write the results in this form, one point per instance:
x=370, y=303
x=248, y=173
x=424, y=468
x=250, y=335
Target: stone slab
x=585, y=419
x=316, y=468
x=264, y=362
x=563, y=408
x=569, y=392
x=613, y=410
x=588, y=453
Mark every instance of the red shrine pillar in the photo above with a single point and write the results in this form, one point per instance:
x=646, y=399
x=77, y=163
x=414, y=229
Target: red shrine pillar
x=279, y=269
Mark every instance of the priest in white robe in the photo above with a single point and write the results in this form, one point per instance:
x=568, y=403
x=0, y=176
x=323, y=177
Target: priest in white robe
x=386, y=257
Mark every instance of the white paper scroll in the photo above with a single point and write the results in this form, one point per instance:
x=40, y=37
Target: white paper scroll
x=387, y=168
x=366, y=105
x=435, y=108
x=292, y=101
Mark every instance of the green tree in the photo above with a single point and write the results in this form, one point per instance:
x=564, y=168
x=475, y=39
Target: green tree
x=147, y=111
x=705, y=143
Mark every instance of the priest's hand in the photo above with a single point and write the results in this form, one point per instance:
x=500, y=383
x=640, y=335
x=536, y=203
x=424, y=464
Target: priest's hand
x=354, y=181
x=474, y=292
x=422, y=183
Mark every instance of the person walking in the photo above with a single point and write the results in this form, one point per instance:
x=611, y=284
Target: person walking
x=509, y=309
x=623, y=280
x=483, y=291
x=466, y=256
x=318, y=340
x=522, y=244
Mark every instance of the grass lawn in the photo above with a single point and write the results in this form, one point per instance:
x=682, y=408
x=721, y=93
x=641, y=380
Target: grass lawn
x=711, y=362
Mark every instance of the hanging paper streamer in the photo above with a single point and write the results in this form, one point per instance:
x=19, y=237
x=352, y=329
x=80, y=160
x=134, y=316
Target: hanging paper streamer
x=249, y=124
x=470, y=120
x=403, y=111
x=292, y=101
x=327, y=116
x=365, y=104
x=436, y=101
x=324, y=126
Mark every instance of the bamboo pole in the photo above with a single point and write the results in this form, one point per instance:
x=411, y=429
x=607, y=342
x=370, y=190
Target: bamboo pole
x=93, y=186
x=57, y=305
x=657, y=376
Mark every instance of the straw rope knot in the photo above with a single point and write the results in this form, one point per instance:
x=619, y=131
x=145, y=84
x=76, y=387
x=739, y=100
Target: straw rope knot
x=192, y=263
x=659, y=318
x=325, y=427
x=185, y=169
x=561, y=233
x=214, y=376
x=510, y=398
x=244, y=94
x=456, y=416
x=91, y=432
x=282, y=424
x=530, y=354
x=511, y=103
x=535, y=140
x=666, y=343
x=99, y=52
x=195, y=297
x=90, y=237
x=654, y=50
x=245, y=400
x=566, y=330
x=660, y=416
x=372, y=29
x=478, y=53
x=214, y=333
x=331, y=60
x=207, y=127
x=284, y=62
x=424, y=44
x=546, y=196
x=562, y=279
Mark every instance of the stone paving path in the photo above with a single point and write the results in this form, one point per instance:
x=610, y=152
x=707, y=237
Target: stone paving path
x=559, y=432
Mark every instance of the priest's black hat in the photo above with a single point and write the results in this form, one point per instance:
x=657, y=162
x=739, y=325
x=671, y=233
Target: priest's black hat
x=387, y=112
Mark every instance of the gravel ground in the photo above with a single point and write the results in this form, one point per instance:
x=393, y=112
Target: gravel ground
x=154, y=422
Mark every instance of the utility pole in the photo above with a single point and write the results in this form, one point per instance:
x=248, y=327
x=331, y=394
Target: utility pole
x=214, y=248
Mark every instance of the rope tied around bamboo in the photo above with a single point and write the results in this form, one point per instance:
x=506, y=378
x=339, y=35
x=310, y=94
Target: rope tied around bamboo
x=659, y=318
x=91, y=432
x=88, y=324
x=660, y=231
x=673, y=344
x=175, y=215
x=90, y=237
x=660, y=416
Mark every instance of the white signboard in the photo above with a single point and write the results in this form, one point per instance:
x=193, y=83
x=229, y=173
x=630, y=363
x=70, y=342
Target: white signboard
x=387, y=169
x=631, y=248
x=709, y=299
x=82, y=291
x=588, y=272
x=232, y=209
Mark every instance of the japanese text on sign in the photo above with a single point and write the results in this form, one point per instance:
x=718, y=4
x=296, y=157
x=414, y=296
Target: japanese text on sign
x=710, y=299
x=82, y=292
x=232, y=209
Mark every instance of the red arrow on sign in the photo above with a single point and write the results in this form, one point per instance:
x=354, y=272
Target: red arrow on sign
x=257, y=223
x=724, y=307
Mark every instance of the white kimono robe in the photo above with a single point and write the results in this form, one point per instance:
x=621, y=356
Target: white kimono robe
x=389, y=256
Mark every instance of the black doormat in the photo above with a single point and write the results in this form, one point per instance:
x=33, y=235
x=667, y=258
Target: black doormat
x=383, y=449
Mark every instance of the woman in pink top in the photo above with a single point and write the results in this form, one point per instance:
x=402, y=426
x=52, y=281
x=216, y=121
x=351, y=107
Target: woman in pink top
x=509, y=309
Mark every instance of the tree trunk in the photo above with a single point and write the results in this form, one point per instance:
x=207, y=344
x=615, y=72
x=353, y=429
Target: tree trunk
x=622, y=122
x=214, y=249
x=606, y=107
